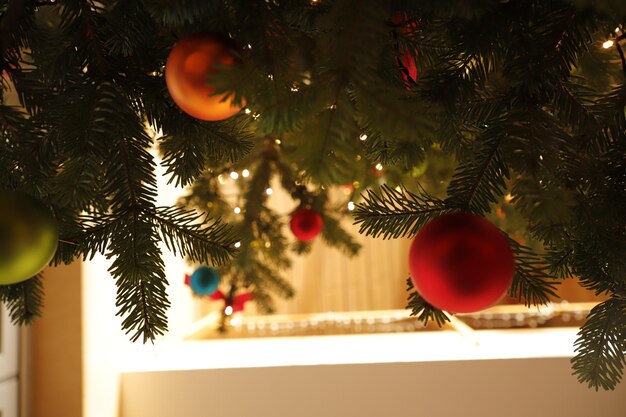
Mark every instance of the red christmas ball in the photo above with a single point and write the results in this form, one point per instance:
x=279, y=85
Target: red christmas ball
x=461, y=263
x=187, y=74
x=408, y=66
x=306, y=223
x=406, y=61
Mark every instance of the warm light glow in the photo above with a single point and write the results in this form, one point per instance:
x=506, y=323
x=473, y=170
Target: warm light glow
x=277, y=141
x=237, y=244
x=234, y=175
x=228, y=310
x=237, y=210
x=268, y=245
x=351, y=205
x=221, y=179
x=608, y=44
x=245, y=173
x=379, y=167
x=508, y=198
x=269, y=191
x=247, y=111
x=364, y=348
x=363, y=137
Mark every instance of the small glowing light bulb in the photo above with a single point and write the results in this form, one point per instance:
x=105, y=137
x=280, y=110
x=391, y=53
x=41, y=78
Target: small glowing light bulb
x=268, y=245
x=234, y=175
x=608, y=44
x=379, y=167
x=237, y=210
x=351, y=205
x=269, y=191
x=363, y=137
x=247, y=111
x=245, y=173
x=228, y=310
x=277, y=141
x=237, y=244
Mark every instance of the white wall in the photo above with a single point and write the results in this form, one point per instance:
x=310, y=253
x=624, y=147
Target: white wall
x=493, y=388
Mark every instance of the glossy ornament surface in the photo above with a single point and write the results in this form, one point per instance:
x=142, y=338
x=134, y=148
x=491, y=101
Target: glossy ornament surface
x=188, y=71
x=28, y=236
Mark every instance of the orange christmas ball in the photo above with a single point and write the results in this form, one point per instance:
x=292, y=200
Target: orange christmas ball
x=188, y=75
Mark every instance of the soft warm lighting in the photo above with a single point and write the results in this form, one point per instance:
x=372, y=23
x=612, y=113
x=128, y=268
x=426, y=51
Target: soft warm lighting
x=508, y=197
x=237, y=210
x=268, y=245
x=363, y=137
x=379, y=167
x=247, y=111
x=234, y=175
x=245, y=173
x=228, y=310
x=269, y=191
x=608, y=44
x=277, y=141
x=221, y=179
x=351, y=205
x=237, y=244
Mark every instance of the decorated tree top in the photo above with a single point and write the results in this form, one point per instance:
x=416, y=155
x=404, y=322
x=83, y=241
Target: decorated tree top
x=466, y=104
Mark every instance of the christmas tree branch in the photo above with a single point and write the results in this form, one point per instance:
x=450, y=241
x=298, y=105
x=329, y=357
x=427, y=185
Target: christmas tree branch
x=187, y=234
x=601, y=346
x=532, y=283
x=422, y=309
x=479, y=180
x=395, y=213
x=24, y=300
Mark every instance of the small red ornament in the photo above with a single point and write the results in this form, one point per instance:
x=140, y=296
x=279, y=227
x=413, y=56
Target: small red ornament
x=187, y=74
x=306, y=223
x=461, y=263
x=406, y=62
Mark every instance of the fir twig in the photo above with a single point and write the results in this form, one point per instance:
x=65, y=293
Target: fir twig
x=532, y=282
x=395, y=213
x=24, y=300
x=424, y=311
x=601, y=346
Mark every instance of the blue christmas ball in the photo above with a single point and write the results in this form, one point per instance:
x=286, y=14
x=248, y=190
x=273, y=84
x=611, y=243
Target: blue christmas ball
x=204, y=280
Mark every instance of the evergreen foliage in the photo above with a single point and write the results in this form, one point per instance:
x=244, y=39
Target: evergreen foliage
x=519, y=96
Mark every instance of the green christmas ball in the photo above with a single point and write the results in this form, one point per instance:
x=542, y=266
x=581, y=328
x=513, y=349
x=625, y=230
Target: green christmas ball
x=28, y=236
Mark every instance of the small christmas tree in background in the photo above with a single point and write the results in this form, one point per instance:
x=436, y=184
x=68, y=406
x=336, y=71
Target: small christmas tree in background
x=463, y=106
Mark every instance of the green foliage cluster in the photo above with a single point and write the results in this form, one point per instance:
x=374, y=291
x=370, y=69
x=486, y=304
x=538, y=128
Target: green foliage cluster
x=518, y=97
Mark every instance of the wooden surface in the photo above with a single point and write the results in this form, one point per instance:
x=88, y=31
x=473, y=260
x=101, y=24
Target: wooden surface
x=54, y=371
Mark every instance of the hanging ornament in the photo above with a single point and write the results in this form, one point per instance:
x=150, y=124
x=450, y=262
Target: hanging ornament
x=28, y=237
x=406, y=59
x=461, y=263
x=203, y=281
x=235, y=302
x=306, y=223
x=187, y=74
